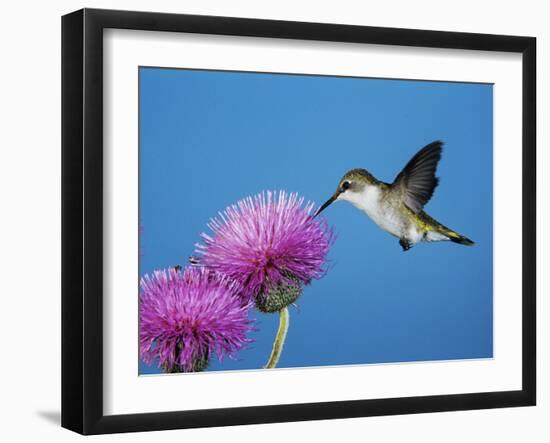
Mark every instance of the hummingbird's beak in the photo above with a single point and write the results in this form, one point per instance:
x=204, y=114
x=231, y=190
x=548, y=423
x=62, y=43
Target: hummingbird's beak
x=327, y=203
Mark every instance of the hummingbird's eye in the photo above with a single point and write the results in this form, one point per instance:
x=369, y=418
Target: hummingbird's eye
x=345, y=186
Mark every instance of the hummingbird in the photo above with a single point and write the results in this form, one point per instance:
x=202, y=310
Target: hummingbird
x=397, y=208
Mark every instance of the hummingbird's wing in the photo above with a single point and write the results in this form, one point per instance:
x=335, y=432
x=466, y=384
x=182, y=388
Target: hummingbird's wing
x=417, y=181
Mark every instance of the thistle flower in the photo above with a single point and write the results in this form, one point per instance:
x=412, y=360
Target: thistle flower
x=270, y=244
x=188, y=316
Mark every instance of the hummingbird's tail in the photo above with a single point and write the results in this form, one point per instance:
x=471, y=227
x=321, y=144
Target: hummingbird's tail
x=455, y=237
x=435, y=231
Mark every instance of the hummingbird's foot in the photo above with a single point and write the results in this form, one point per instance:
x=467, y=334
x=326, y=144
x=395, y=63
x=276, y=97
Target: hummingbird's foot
x=405, y=244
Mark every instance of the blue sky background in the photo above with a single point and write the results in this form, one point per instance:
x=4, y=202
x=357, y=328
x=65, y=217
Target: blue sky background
x=208, y=139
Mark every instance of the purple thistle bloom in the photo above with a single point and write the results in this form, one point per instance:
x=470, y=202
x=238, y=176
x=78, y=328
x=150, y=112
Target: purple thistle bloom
x=187, y=316
x=267, y=240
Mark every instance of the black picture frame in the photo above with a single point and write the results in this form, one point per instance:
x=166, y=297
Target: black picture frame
x=82, y=218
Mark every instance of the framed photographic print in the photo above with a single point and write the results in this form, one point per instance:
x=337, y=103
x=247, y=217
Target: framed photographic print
x=269, y=221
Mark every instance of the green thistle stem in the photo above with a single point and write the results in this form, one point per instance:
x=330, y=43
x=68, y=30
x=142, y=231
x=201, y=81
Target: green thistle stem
x=279, y=339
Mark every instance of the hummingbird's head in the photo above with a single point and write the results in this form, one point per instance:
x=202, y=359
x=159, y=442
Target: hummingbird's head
x=350, y=186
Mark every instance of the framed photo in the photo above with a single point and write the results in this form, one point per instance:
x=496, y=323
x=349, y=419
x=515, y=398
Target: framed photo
x=268, y=221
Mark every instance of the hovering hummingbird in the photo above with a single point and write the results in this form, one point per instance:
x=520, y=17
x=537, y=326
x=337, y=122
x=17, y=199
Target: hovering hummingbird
x=397, y=207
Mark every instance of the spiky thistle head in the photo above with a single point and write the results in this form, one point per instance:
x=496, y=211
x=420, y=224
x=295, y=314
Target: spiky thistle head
x=265, y=241
x=188, y=316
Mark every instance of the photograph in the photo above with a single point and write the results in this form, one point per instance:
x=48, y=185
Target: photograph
x=294, y=220
x=291, y=218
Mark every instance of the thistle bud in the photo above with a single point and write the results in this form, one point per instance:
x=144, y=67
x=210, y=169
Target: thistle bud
x=198, y=363
x=279, y=296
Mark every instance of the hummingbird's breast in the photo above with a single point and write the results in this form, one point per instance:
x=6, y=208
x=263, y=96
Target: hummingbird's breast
x=387, y=212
